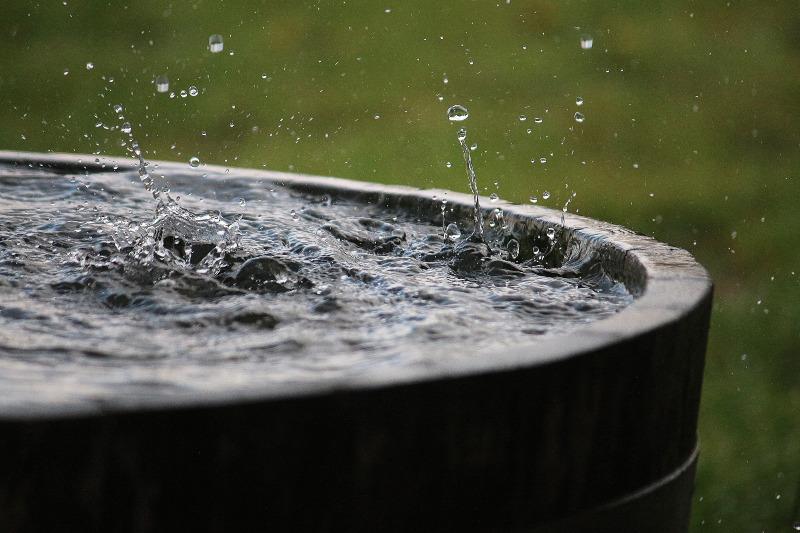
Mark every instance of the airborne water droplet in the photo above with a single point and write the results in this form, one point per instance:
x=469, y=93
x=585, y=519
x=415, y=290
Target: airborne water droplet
x=126, y=127
x=89, y=65
x=537, y=120
x=579, y=117
x=551, y=233
x=586, y=42
x=118, y=108
x=215, y=43
x=533, y=199
x=457, y=113
x=452, y=232
x=194, y=162
x=579, y=101
x=462, y=134
x=192, y=90
x=546, y=195
x=523, y=118
x=494, y=197
x=162, y=84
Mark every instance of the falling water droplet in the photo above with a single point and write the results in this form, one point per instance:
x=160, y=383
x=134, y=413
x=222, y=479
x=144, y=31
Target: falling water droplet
x=183, y=93
x=534, y=199
x=118, y=108
x=538, y=120
x=543, y=160
x=193, y=90
x=494, y=197
x=523, y=118
x=126, y=127
x=89, y=65
x=162, y=84
x=579, y=101
x=579, y=117
x=448, y=164
x=194, y=162
x=462, y=134
x=546, y=195
x=215, y=43
x=242, y=202
x=457, y=113
x=66, y=71
x=586, y=42
x=452, y=232
x=551, y=233
x=293, y=214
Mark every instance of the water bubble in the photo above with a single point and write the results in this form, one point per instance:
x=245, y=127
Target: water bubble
x=579, y=117
x=457, y=113
x=494, y=197
x=534, y=199
x=215, y=43
x=89, y=65
x=194, y=162
x=462, y=134
x=452, y=232
x=523, y=118
x=546, y=195
x=586, y=42
x=551, y=233
x=579, y=101
x=126, y=127
x=162, y=84
x=513, y=248
x=118, y=108
x=193, y=90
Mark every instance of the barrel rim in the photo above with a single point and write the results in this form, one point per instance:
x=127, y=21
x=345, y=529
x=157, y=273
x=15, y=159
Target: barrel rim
x=670, y=283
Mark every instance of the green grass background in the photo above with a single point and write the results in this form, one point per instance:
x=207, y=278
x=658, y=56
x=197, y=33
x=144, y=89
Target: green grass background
x=691, y=136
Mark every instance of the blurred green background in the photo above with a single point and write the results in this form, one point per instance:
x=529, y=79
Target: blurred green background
x=691, y=136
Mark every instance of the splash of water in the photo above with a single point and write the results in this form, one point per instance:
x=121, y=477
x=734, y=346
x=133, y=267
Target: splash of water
x=176, y=236
x=459, y=113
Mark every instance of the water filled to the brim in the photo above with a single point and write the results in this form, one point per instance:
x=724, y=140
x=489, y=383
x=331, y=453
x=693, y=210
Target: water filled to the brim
x=106, y=291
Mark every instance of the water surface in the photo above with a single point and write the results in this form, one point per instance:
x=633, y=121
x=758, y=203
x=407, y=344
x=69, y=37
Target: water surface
x=234, y=282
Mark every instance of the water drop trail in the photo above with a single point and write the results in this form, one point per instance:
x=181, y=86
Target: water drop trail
x=473, y=185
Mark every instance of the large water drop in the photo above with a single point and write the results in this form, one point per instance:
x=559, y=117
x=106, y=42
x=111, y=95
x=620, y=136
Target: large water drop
x=586, y=42
x=457, y=113
x=215, y=43
x=162, y=84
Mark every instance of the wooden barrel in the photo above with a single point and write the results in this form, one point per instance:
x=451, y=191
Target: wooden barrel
x=590, y=431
